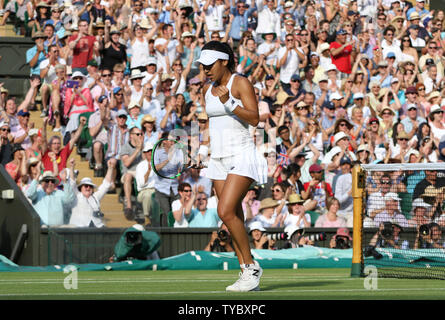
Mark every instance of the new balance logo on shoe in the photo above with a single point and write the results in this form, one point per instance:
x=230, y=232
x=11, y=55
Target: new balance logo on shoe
x=256, y=273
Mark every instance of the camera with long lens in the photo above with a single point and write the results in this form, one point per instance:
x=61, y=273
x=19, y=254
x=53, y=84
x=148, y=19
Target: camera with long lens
x=424, y=230
x=133, y=238
x=370, y=251
x=277, y=236
x=341, y=243
x=223, y=235
x=387, y=231
x=316, y=237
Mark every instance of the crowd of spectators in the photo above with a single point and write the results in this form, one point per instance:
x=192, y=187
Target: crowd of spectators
x=338, y=82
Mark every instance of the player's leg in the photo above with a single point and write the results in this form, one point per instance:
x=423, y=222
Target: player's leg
x=235, y=188
x=219, y=186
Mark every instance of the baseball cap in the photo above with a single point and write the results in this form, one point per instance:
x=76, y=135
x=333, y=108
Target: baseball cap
x=147, y=147
x=373, y=119
x=390, y=55
x=116, y=90
x=429, y=62
x=341, y=31
x=335, y=96
x=295, y=77
x=23, y=113
x=121, y=113
x=411, y=89
x=358, y=95
x=102, y=98
x=345, y=160
x=315, y=168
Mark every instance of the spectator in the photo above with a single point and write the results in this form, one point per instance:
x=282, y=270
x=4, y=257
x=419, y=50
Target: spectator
x=145, y=182
x=268, y=215
x=201, y=216
x=330, y=219
x=86, y=211
x=17, y=166
x=391, y=211
x=36, y=54
x=220, y=241
x=195, y=178
x=50, y=202
x=296, y=215
x=420, y=214
x=183, y=205
x=259, y=238
x=343, y=191
x=317, y=191
x=130, y=156
x=5, y=143
x=84, y=47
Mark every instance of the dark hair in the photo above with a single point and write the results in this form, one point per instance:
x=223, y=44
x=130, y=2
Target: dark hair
x=282, y=128
x=389, y=28
x=222, y=47
x=182, y=186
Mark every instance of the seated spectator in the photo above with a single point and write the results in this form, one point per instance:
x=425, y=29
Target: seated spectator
x=38, y=142
x=268, y=214
x=391, y=211
x=130, y=156
x=135, y=116
x=17, y=166
x=296, y=215
x=118, y=135
x=280, y=193
x=5, y=143
x=20, y=131
x=330, y=219
x=421, y=213
x=183, y=205
x=86, y=211
x=250, y=203
x=145, y=182
x=201, y=216
x=195, y=178
x=317, y=191
x=151, y=134
x=48, y=201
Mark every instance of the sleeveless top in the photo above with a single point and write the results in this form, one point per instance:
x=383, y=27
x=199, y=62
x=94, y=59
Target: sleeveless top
x=229, y=135
x=139, y=53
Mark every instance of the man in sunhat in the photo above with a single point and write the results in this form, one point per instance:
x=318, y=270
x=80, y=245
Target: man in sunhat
x=145, y=182
x=36, y=54
x=420, y=213
x=391, y=212
x=49, y=202
x=86, y=210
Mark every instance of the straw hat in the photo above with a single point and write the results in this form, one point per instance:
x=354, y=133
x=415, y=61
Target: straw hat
x=48, y=175
x=282, y=97
x=268, y=203
x=147, y=118
x=203, y=116
x=295, y=198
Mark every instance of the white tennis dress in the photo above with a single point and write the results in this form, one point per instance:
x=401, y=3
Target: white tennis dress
x=231, y=145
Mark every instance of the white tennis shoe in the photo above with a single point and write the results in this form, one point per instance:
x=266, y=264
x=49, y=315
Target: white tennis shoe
x=249, y=279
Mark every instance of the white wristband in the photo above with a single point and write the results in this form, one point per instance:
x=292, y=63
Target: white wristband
x=203, y=150
x=230, y=104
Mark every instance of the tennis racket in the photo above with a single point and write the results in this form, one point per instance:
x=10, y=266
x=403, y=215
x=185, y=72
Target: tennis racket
x=170, y=158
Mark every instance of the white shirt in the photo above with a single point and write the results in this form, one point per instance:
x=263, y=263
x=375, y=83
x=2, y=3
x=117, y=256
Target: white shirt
x=176, y=205
x=170, y=51
x=51, y=74
x=151, y=107
x=82, y=212
x=265, y=48
x=268, y=21
x=291, y=66
x=214, y=18
x=141, y=170
x=292, y=220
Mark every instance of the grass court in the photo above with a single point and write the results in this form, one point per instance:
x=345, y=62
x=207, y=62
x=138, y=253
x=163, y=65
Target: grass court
x=276, y=284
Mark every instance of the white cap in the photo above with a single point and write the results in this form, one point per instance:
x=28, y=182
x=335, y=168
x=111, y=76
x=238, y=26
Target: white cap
x=358, y=95
x=420, y=203
x=331, y=67
x=33, y=132
x=335, y=96
x=77, y=74
x=392, y=196
x=4, y=123
x=147, y=147
x=256, y=225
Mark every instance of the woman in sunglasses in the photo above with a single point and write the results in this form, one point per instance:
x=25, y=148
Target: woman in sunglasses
x=234, y=163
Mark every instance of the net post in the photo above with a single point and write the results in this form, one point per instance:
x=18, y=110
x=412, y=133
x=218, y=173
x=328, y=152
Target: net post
x=358, y=185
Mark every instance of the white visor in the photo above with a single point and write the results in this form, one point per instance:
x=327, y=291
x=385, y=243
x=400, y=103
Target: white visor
x=209, y=57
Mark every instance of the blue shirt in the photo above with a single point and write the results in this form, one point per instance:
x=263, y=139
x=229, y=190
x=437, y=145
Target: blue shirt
x=408, y=124
x=209, y=220
x=240, y=22
x=134, y=122
x=167, y=186
x=50, y=207
x=30, y=53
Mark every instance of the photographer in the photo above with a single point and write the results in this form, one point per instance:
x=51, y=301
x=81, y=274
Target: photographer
x=388, y=236
x=429, y=236
x=295, y=238
x=259, y=237
x=341, y=240
x=220, y=241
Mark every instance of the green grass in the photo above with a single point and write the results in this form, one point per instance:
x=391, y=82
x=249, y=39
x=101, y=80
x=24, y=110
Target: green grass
x=276, y=284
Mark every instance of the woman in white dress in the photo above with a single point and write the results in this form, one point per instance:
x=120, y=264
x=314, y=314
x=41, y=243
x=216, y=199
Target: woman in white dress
x=234, y=164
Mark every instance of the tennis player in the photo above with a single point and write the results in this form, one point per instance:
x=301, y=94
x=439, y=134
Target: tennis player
x=234, y=164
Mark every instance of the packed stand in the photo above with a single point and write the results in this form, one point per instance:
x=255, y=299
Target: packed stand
x=338, y=83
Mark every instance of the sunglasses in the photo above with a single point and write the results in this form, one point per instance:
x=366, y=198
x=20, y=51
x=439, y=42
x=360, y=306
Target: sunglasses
x=106, y=75
x=277, y=190
x=385, y=182
x=6, y=130
x=421, y=89
x=387, y=113
x=402, y=139
x=78, y=78
x=188, y=190
x=138, y=134
x=50, y=181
